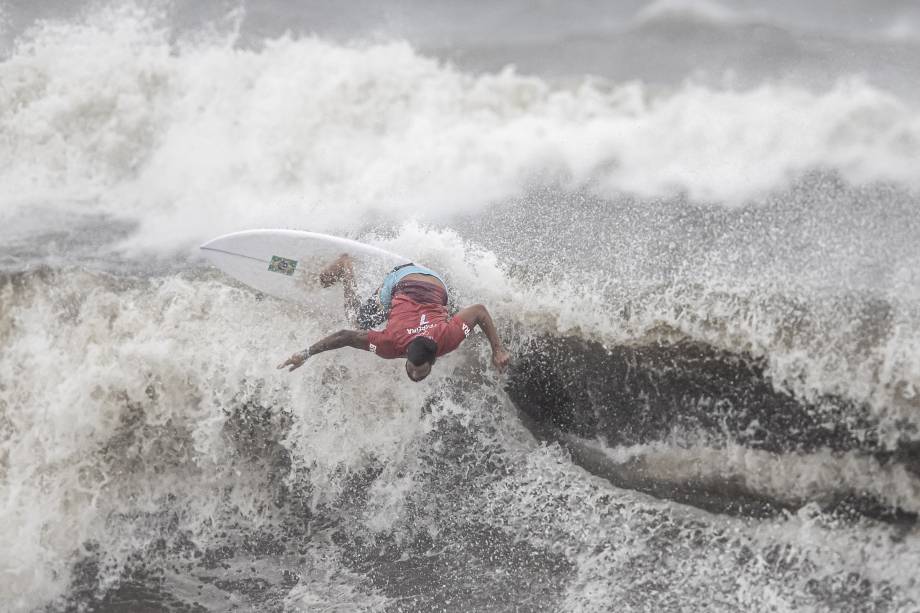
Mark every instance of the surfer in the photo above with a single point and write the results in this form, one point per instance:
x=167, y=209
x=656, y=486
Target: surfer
x=413, y=302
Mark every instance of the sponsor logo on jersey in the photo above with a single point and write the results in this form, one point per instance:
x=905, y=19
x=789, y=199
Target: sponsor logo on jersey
x=423, y=325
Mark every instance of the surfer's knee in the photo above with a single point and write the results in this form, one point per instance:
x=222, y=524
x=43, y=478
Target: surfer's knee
x=335, y=271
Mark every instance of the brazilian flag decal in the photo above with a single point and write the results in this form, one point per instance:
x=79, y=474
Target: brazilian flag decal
x=282, y=265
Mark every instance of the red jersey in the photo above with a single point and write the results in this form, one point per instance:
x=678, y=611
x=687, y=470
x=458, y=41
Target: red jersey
x=409, y=320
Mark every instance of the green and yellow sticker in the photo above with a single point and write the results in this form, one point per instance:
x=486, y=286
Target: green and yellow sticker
x=282, y=265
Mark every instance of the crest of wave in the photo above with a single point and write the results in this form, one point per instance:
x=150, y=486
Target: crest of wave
x=189, y=138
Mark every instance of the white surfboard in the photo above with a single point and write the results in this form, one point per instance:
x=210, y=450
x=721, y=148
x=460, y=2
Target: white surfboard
x=286, y=263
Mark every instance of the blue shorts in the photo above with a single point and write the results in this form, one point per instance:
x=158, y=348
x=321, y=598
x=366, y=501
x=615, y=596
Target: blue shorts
x=386, y=290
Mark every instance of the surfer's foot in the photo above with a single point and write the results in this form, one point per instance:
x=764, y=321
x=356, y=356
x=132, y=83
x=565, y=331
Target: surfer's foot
x=334, y=272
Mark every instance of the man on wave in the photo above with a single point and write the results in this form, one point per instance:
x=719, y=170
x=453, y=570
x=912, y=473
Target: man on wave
x=413, y=301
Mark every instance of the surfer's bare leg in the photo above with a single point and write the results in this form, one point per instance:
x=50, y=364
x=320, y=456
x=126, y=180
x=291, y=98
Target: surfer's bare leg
x=342, y=270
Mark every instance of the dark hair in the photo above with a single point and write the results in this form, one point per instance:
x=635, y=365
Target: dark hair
x=422, y=349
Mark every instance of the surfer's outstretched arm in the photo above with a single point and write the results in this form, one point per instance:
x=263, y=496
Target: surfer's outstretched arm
x=337, y=340
x=478, y=315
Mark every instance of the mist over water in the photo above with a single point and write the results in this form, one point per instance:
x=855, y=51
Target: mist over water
x=696, y=224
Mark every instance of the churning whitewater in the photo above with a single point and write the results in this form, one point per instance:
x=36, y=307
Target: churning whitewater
x=704, y=260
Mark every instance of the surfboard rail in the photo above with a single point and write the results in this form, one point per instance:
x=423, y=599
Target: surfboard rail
x=286, y=263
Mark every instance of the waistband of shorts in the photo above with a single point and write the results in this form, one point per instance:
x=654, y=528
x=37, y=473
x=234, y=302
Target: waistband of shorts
x=411, y=269
x=421, y=292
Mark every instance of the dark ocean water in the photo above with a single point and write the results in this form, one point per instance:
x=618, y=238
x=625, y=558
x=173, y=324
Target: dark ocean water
x=696, y=224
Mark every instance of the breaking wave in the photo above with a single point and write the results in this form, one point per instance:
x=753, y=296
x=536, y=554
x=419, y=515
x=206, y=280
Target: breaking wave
x=709, y=292
x=113, y=116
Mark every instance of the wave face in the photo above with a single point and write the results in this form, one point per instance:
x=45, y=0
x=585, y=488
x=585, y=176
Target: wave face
x=708, y=283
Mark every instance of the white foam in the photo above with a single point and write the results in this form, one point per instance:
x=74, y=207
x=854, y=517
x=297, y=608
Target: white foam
x=615, y=541
x=200, y=138
x=185, y=352
x=191, y=140
x=121, y=393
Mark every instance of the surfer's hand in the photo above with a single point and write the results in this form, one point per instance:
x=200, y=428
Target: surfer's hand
x=295, y=361
x=501, y=359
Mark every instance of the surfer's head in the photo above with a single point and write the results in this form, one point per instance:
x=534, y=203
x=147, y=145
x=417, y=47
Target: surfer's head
x=420, y=356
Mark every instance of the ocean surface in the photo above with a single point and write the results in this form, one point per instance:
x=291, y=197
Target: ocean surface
x=696, y=223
